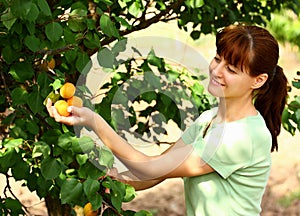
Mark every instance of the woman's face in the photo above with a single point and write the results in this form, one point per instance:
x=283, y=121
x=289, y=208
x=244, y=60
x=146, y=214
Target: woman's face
x=227, y=81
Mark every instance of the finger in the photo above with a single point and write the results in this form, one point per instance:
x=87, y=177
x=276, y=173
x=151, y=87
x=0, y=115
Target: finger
x=49, y=107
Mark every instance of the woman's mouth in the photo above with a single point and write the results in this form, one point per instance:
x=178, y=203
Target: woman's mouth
x=215, y=82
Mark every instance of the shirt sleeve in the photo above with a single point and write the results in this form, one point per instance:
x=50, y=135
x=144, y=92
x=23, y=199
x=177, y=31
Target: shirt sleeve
x=228, y=149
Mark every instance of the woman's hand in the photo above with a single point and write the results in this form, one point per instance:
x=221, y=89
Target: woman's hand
x=79, y=116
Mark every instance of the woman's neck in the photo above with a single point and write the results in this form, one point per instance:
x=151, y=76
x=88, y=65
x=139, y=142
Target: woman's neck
x=232, y=110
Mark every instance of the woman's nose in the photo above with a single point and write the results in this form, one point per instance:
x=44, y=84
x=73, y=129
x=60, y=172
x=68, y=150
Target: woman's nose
x=217, y=70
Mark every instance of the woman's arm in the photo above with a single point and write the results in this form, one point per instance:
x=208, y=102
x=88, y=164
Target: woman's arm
x=179, y=161
x=128, y=178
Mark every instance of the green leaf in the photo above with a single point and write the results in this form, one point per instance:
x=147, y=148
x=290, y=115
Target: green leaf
x=21, y=71
x=50, y=168
x=154, y=60
x=195, y=3
x=96, y=201
x=90, y=187
x=40, y=149
x=122, y=3
x=106, y=158
x=83, y=62
x=120, y=46
x=136, y=8
x=89, y=170
x=43, y=186
x=108, y=27
x=117, y=194
x=13, y=143
x=82, y=158
x=32, y=127
x=195, y=34
x=32, y=42
x=35, y=102
x=21, y=170
x=70, y=56
x=14, y=205
x=172, y=75
x=57, y=84
x=33, y=13
x=143, y=213
x=149, y=96
x=44, y=7
x=130, y=193
x=65, y=141
x=71, y=191
x=86, y=144
x=53, y=96
x=197, y=88
x=8, y=159
x=54, y=31
x=106, y=58
x=123, y=22
x=8, y=19
x=153, y=80
x=76, y=25
x=44, y=83
x=296, y=84
x=9, y=54
x=30, y=27
x=19, y=96
x=20, y=8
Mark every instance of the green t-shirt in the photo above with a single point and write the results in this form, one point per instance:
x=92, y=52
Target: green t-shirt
x=239, y=152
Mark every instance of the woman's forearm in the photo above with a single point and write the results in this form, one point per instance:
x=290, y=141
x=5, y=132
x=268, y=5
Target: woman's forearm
x=120, y=147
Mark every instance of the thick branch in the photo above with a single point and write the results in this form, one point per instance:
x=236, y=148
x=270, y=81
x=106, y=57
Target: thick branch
x=146, y=23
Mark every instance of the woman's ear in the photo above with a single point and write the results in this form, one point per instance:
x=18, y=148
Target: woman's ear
x=259, y=80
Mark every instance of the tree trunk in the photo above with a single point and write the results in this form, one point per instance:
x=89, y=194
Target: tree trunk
x=55, y=208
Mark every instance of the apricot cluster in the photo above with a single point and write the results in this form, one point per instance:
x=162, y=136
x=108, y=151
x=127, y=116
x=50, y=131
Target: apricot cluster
x=67, y=92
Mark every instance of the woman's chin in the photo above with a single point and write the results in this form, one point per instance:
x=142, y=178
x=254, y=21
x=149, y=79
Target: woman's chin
x=216, y=92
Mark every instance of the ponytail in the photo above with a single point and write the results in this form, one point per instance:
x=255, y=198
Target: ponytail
x=270, y=101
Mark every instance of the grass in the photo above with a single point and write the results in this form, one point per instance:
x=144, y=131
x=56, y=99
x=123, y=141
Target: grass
x=288, y=199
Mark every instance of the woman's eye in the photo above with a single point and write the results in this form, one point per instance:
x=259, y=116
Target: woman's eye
x=230, y=69
x=217, y=59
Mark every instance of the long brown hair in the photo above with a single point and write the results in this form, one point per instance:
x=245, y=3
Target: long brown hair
x=253, y=48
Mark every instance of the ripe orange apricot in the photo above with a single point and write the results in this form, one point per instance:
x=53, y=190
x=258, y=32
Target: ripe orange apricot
x=75, y=101
x=67, y=90
x=88, y=210
x=61, y=107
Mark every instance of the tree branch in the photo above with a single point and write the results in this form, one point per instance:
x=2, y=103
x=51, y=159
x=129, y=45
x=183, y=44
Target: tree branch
x=146, y=23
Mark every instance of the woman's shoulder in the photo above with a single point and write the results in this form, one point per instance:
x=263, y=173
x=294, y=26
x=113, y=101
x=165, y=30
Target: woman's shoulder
x=207, y=115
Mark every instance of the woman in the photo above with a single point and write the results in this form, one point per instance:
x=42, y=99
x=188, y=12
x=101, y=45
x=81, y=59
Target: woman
x=224, y=156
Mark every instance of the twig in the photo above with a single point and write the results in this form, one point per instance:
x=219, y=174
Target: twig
x=56, y=51
x=8, y=187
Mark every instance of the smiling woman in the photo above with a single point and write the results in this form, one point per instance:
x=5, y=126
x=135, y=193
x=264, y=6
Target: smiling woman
x=224, y=156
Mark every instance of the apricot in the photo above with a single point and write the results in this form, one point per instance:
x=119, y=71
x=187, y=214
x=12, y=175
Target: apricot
x=88, y=210
x=75, y=101
x=67, y=90
x=61, y=107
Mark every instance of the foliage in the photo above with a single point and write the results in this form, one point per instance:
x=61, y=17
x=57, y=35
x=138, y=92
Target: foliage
x=46, y=43
x=285, y=25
